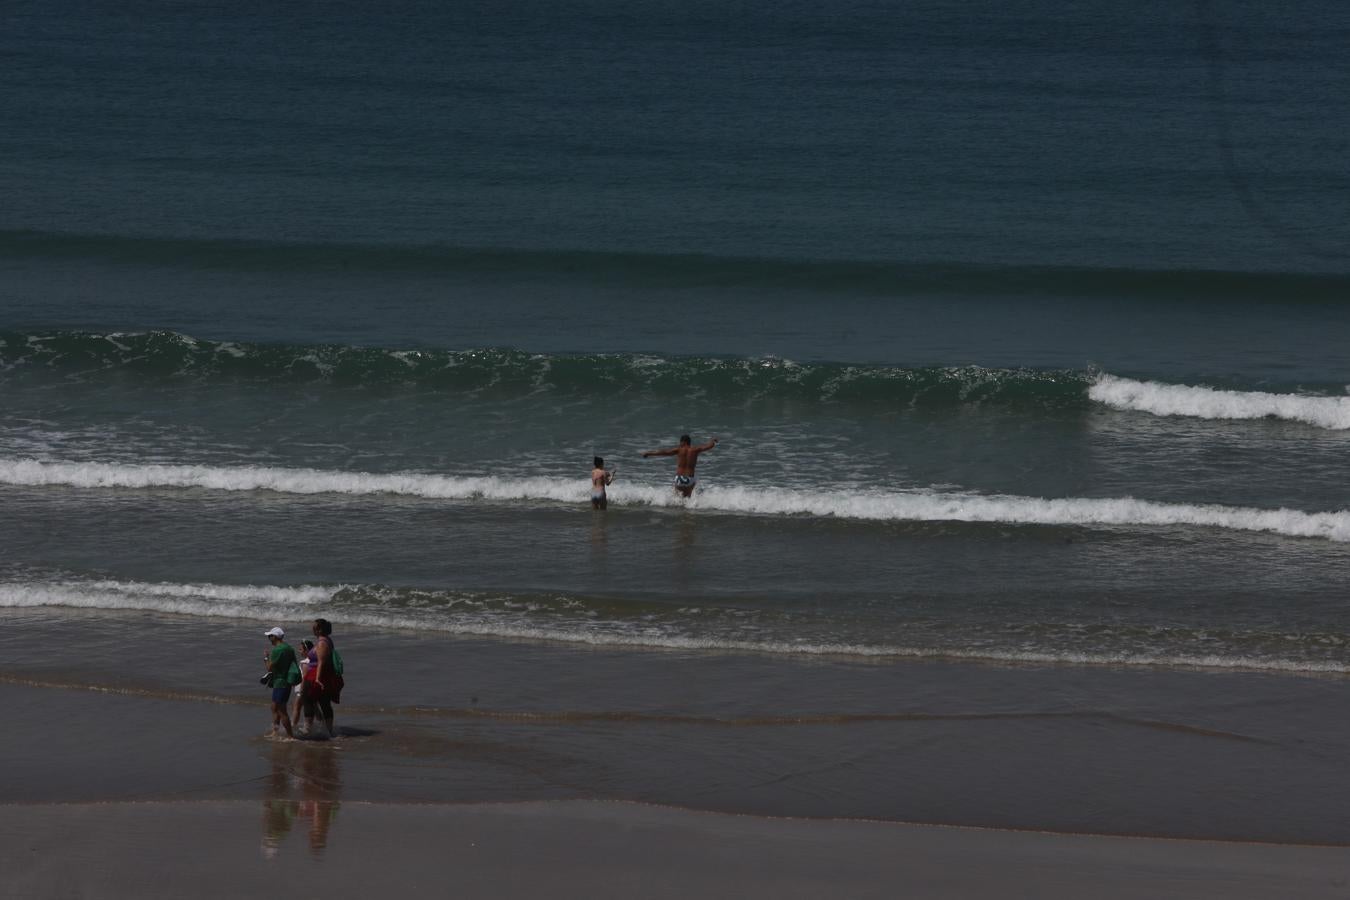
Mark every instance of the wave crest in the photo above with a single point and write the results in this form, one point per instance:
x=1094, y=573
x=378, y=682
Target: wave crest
x=163, y=354
x=504, y=372
x=1211, y=403
x=883, y=506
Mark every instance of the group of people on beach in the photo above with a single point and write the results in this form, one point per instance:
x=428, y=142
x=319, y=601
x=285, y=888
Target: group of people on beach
x=309, y=681
x=686, y=462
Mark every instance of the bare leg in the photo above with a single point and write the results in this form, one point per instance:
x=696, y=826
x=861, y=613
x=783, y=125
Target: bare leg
x=326, y=707
x=281, y=717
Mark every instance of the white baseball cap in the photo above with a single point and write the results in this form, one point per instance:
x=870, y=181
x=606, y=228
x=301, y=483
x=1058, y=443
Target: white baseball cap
x=274, y=632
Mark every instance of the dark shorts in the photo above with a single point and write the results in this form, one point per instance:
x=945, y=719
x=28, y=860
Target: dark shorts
x=316, y=701
x=281, y=694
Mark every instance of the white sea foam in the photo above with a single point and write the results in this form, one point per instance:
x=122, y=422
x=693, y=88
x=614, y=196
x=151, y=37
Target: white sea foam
x=247, y=593
x=230, y=601
x=1209, y=403
x=915, y=506
x=273, y=604
x=876, y=505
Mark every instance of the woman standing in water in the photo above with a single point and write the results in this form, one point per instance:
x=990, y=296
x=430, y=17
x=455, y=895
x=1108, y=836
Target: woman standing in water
x=323, y=678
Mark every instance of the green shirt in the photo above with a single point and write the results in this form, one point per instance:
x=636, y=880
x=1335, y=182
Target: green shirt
x=283, y=665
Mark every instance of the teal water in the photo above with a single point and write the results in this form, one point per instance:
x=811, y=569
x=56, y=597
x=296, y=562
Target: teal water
x=1023, y=329
x=1153, y=135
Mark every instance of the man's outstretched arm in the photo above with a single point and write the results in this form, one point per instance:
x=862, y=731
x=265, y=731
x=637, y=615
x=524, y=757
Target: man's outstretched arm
x=670, y=452
x=708, y=446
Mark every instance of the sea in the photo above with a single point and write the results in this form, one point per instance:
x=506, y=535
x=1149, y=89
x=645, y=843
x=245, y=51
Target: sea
x=1023, y=328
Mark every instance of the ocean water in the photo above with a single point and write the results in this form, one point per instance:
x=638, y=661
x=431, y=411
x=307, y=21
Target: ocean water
x=1023, y=327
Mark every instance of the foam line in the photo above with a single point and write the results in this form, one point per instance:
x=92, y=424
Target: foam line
x=230, y=601
x=274, y=604
x=1209, y=403
x=886, y=506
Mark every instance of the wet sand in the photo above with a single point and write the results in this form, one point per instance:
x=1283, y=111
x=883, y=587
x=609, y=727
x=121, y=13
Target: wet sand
x=1197, y=755
x=605, y=849
x=511, y=769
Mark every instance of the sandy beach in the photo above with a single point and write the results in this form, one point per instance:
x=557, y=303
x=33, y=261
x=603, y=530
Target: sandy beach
x=591, y=774
x=595, y=849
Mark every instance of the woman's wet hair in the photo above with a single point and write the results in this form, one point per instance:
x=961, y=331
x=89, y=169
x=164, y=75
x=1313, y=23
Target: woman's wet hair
x=323, y=627
x=599, y=462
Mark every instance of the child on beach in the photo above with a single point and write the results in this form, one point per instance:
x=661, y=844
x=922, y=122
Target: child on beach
x=298, y=695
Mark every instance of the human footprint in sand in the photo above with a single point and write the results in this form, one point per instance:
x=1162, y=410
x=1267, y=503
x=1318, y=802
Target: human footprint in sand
x=686, y=461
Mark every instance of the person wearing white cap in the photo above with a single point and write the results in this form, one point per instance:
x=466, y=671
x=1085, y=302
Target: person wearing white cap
x=283, y=672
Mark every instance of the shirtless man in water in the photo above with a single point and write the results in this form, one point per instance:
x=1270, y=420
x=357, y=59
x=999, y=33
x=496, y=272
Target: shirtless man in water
x=686, y=461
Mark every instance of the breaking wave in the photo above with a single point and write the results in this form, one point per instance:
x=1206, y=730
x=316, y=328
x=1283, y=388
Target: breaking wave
x=164, y=354
x=1210, y=403
x=84, y=356
x=882, y=506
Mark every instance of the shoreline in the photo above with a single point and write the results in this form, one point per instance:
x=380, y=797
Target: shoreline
x=1233, y=757
x=879, y=656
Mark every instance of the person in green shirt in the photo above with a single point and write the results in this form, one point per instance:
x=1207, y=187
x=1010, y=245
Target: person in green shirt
x=284, y=670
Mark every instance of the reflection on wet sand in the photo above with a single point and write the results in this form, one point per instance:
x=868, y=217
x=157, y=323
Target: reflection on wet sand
x=305, y=784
